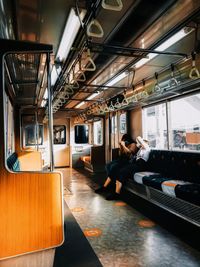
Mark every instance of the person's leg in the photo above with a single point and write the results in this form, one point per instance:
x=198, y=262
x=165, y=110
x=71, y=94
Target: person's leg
x=107, y=182
x=118, y=187
x=111, y=169
x=125, y=171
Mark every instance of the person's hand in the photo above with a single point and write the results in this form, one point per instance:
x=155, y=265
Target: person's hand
x=122, y=143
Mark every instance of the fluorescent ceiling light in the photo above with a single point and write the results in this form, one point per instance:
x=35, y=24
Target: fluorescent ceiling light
x=92, y=96
x=88, y=98
x=166, y=44
x=116, y=80
x=172, y=40
x=54, y=75
x=45, y=96
x=80, y=104
x=71, y=29
x=43, y=104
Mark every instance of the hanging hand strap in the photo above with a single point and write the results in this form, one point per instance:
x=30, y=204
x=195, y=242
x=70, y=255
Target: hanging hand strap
x=115, y=5
x=194, y=73
x=173, y=81
x=94, y=29
x=89, y=65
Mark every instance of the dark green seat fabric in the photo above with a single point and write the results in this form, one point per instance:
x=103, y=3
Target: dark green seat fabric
x=189, y=192
x=155, y=181
x=13, y=163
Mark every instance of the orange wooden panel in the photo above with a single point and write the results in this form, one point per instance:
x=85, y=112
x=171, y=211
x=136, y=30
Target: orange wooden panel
x=30, y=160
x=193, y=138
x=31, y=212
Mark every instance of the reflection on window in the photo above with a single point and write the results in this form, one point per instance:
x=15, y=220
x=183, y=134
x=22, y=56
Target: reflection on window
x=114, y=124
x=10, y=139
x=59, y=134
x=81, y=134
x=30, y=135
x=123, y=123
x=98, y=132
x=184, y=121
x=155, y=126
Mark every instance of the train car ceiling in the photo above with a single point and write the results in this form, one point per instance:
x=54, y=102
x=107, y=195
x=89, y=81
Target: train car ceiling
x=101, y=52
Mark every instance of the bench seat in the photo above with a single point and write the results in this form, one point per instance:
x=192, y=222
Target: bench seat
x=171, y=180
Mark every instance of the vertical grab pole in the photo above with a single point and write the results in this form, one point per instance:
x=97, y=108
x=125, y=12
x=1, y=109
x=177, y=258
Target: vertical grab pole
x=37, y=129
x=50, y=113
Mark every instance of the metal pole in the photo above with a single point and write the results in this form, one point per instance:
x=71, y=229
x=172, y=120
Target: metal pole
x=132, y=50
x=37, y=130
x=50, y=114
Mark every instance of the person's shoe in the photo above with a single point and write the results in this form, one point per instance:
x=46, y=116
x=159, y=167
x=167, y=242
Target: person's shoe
x=101, y=189
x=113, y=196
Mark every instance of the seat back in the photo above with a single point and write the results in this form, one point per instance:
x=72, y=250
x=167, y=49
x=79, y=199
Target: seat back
x=98, y=155
x=178, y=164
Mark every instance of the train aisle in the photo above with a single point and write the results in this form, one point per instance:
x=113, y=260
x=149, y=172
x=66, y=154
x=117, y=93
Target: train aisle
x=120, y=235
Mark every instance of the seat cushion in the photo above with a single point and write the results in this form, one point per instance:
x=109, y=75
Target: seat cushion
x=155, y=181
x=138, y=176
x=86, y=158
x=189, y=192
x=168, y=187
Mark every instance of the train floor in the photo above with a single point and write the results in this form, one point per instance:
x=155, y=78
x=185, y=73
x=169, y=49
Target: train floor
x=124, y=235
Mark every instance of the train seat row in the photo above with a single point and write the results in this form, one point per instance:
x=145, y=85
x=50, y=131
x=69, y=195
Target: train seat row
x=176, y=174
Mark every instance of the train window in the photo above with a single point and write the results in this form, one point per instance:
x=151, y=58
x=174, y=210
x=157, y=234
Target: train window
x=123, y=123
x=59, y=134
x=81, y=134
x=98, y=132
x=155, y=126
x=30, y=135
x=184, y=115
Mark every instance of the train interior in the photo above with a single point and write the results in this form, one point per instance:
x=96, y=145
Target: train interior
x=76, y=76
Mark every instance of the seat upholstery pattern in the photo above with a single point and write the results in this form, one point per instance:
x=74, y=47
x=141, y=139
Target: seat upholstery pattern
x=13, y=163
x=168, y=187
x=138, y=176
x=155, y=181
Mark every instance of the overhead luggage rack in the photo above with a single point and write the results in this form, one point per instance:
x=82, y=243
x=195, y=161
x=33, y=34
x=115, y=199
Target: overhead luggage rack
x=26, y=71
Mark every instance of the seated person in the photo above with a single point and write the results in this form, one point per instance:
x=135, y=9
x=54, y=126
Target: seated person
x=127, y=150
x=137, y=164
